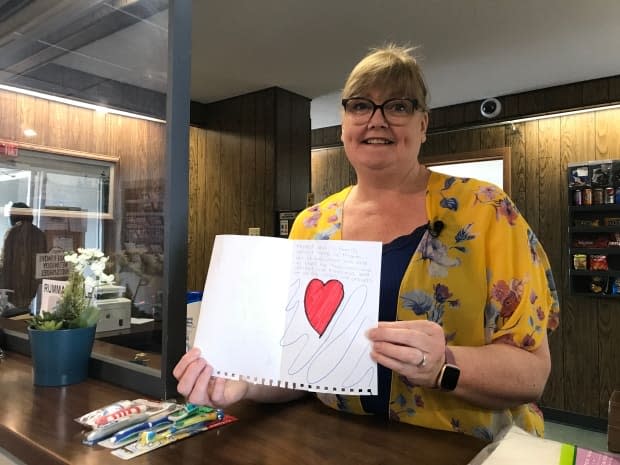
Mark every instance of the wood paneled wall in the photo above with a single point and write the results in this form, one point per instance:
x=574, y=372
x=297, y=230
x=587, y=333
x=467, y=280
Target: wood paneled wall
x=62, y=126
x=138, y=145
x=586, y=347
x=251, y=160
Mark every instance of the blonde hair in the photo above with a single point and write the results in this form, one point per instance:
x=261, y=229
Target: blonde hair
x=389, y=67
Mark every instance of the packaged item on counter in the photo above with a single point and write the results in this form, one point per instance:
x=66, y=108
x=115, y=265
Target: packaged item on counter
x=579, y=176
x=132, y=428
x=615, y=286
x=90, y=419
x=580, y=261
x=598, y=263
x=598, y=285
x=610, y=194
x=105, y=421
x=598, y=196
x=600, y=174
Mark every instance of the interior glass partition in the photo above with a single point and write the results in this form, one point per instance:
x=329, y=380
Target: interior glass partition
x=84, y=141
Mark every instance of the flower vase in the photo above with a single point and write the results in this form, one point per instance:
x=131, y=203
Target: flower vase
x=60, y=357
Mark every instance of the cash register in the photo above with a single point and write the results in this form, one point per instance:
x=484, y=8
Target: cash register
x=115, y=309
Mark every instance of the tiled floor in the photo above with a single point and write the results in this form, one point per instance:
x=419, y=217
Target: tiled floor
x=578, y=436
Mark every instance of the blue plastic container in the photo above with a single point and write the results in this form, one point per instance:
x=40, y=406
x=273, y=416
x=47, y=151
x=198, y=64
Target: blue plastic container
x=193, y=296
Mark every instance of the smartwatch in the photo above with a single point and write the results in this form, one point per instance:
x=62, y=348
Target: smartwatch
x=449, y=374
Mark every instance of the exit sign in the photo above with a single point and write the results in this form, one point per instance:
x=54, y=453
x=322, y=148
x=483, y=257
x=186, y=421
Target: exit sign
x=8, y=150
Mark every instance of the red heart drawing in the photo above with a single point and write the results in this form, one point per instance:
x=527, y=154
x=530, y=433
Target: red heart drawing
x=321, y=302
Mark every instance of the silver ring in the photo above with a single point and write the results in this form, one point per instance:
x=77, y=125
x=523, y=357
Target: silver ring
x=422, y=362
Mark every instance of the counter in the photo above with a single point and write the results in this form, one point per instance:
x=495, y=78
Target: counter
x=38, y=427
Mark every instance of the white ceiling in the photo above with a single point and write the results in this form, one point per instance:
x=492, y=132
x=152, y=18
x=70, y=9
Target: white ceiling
x=469, y=49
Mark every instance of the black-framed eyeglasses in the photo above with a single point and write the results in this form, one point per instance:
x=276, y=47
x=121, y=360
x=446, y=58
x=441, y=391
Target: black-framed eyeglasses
x=396, y=111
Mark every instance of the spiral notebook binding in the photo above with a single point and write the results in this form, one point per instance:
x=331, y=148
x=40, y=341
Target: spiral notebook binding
x=292, y=385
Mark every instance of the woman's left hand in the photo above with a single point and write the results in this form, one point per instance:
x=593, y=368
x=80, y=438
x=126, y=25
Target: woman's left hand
x=414, y=349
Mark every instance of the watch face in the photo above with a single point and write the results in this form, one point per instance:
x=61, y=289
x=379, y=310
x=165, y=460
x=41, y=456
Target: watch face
x=449, y=377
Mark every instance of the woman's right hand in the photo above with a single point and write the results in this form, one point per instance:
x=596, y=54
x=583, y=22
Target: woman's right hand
x=199, y=387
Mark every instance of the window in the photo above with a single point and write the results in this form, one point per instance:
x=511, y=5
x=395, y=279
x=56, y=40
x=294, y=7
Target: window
x=492, y=165
x=63, y=192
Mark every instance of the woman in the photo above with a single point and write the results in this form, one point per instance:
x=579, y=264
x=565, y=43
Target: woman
x=467, y=296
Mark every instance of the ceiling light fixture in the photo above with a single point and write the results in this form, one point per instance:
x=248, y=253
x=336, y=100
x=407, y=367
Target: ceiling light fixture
x=564, y=113
x=77, y=103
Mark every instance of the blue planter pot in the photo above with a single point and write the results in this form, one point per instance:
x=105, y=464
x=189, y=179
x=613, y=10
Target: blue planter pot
x=60, y=357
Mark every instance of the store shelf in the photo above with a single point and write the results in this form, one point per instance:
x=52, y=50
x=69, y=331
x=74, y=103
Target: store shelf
x=603, y=273
x=594, y=229
x=603, y=208
x=595, y=250
x=598, y=296
x=593, y=175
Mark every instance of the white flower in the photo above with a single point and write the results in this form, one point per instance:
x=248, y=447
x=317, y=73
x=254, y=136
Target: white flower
x=91, y=264
x=106, y=278
x=89, y=283
x=97, y=268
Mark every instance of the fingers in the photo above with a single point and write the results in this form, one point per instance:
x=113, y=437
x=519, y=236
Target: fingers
x=199, y=393
x=407, y=359
x=417, y=374
x=198, y=385
x=414, y=349
x=185, y=361
x=421, y=327
x=225, y=392
x=190, y=377
x=193, y=374
x=422, y=362
x=218, y=391
x=395, y=335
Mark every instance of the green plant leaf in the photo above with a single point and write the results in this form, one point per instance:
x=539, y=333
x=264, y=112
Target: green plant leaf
x=73, y=310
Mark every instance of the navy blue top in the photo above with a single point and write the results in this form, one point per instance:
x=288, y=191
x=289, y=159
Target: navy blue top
x=394, y=261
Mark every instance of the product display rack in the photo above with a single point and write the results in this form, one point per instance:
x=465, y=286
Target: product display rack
x=594, y=229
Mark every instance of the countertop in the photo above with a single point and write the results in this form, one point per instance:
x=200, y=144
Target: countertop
x=38, y=427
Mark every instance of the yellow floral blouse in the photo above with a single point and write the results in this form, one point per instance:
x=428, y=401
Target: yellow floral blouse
x=485, y=278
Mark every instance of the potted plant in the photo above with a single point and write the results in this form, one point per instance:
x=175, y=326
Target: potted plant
x=61, y=340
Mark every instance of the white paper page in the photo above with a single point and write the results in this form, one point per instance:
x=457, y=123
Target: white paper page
x=241, y=316
x=292, y=312
x=334, y=300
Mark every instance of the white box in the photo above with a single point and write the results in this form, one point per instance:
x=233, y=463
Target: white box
x=115, y=314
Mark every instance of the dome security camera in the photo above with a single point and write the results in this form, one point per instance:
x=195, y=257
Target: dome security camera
x=490, y=107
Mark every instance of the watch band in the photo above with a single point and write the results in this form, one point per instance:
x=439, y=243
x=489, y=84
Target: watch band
x=450, y=356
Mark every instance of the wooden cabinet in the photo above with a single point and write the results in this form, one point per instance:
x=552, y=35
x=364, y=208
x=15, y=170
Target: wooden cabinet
x=594, y=230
